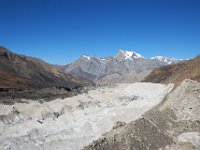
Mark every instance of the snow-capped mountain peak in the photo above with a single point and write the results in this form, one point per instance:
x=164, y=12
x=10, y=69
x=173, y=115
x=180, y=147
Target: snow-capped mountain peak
x=124, y=66
x=165, y=59
x=86, y=56
x=128, y=55
x=137, y=55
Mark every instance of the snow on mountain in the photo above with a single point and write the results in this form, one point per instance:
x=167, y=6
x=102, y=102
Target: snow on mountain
x=103, y=59
x=92, y=58
x=137, y=55
x=130, y=54
x=126, y=66
x=88, y=57
x=127, y=54
x=165, y=59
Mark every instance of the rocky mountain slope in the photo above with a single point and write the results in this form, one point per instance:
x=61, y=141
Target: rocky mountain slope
x=126, y=66
x=172, y=125
x=19, y=73
x=176, y=73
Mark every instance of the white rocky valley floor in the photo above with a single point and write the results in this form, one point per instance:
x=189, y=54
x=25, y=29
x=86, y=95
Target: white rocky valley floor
x=72, y=123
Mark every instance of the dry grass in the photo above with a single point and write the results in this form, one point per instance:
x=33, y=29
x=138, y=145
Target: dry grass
x=176, y=73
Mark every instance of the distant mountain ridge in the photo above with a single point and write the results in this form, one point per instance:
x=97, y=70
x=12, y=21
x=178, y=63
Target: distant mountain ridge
x=166, y=59
x=125, y=66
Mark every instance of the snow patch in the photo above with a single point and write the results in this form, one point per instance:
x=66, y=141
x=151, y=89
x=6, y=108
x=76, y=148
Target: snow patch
x=88, y=57
x=165, y=59
x=131, y=54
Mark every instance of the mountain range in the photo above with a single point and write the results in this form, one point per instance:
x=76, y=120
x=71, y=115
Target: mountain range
x=125, y=66
x=160, y=116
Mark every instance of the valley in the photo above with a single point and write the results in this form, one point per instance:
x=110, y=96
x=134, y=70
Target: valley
x=126, y=102
x=100, y=75
x=72, y=123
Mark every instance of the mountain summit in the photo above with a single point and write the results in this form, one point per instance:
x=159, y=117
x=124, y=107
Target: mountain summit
x=128, y=55
x=125, y=66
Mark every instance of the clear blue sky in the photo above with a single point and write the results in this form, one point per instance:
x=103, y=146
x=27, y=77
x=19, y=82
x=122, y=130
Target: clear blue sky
x=59, y=31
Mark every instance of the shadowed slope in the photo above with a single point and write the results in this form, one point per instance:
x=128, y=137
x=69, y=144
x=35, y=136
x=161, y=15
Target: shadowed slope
x=31, y=78
x=19, y=71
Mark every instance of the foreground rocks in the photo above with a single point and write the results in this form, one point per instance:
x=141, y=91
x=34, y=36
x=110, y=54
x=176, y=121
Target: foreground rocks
x=127, y=116
x=173, y=125
x=74, y=122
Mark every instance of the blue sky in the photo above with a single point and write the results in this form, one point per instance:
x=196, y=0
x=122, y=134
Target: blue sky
x=59, y=31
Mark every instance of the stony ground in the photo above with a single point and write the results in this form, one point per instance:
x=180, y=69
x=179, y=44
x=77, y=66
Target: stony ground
x=173, y=125
x=72, y=123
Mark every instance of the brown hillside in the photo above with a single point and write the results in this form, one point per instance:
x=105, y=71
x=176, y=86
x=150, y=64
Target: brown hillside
x=19, y=71
x=176, y=73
